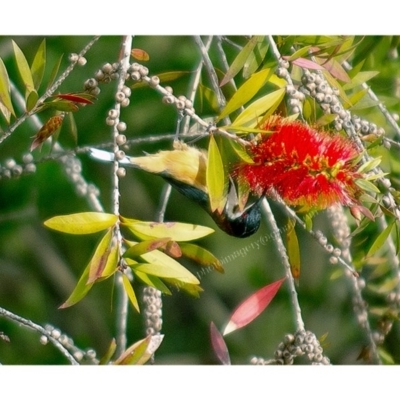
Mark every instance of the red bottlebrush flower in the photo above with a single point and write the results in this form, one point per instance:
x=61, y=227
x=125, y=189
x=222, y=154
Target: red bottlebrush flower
x=303, y=166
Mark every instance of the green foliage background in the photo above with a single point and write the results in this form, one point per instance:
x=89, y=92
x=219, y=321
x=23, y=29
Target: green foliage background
x=39, y=268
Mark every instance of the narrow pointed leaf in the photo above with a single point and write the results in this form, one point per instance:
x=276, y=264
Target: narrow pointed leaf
x=144, y=247
x=80, y=291
x=23, y=68
x=299, y=53
x=153, y=281
x=293, y=251
x=5, y=98
x=360, y=78
x=109, y=353
x=174, y=271
x=246, y=92
x=71, y=128
x=252, y=114
x=215, y=177
x=219, y=346
x=381, y=239
x=304, y=63
x=83, y=98
x=60, y=105
x=256, y=58
x=176, y=231
x=82, y=223
x=140, y=352
x=241, y=152
x=367, y=185
x=31, y=100
x=38, y=65
x=336, y=70
x=130, y=292
x=190, y=288
x=54, y=71
x=240, y=60
x=252, y=307
x=105, y=260
x=201, y=256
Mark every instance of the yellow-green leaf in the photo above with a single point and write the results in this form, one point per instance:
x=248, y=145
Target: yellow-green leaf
x=299, y=53
x=104, y=261
x=80, y=291
x=380, y=240
x=201, y=256
x=140, y=352
x=5, y=99
x=54, y=71
x=31, y=100
x=255, y=58
x=366, y=185
x=241, y=152
x=39, y=64
x=164, y=77
x=359, y=79
x=293, y=250
x=215, y=177
x=170, y=270
x=130, y=292
x=145, y=246
x=151, y=280
x=109, y=353
x=246, y=92
x=176, y=231
x=240, y=59
x=190, y=288
x=23, y=69
x=252, y=114
x=82, y=223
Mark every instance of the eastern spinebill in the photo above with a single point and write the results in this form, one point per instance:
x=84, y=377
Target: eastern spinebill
x=185, y=169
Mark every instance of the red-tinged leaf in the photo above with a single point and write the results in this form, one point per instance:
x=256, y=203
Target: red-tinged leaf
x=140, y=55
x=83, y=98
x=336, y=70
x=252, y=307
x=219, y=345
x=173, y=249
x=145, y=247
x=201, y=256
x=304, y=63
x=48, y=129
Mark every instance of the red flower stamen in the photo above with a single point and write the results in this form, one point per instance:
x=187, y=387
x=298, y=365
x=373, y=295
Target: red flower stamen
x=303, y=166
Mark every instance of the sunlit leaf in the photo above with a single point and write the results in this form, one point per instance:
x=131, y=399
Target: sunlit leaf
x=104, y=261
x=190, y=288
x=252, y=307
x=325, y=119
x=333, y=83
x=367, y=185
x=201, y=256
x=5, y=99
x=144, y=247
x=176, y=231
x=38, y=65
x=109, y=353
x=255, y=58
x=240, y=59
x=130, y=292
x=23, y=68
x=140, y=55
x=167, y=270
x=80, y=291
x=360, y=78
x=241, y=152
x=293, y=250
x=385, y=287
x=215, y=177
x=82, y=223
x=298, y=53
x=219, y=345
x=336, y=70
x=246, y=92
x=381, y=239
x=251, y=115
x=140, y=352
x=153, y=281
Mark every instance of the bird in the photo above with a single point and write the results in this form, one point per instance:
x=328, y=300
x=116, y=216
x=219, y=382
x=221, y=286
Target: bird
x=184, y=168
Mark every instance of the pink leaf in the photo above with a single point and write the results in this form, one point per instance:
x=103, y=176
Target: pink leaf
x=304, y=63
x=252, y=307
x=219, y=345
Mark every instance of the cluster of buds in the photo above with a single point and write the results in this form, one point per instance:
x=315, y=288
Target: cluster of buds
x=11, y=169
x=152, y=310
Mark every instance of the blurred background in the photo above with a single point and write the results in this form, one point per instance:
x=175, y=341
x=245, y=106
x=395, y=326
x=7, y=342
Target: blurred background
x=39, y=267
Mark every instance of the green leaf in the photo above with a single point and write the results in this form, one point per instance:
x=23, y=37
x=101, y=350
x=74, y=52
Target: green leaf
x=293, y=250
x=144, y=247
x=80, y=291
x=130, y=292
x=367, y=185
x=151, y=280
x=246, y=92
x=38, y=65
x=251, y=115
x=105, y=260
x=71, y=128
x=177, y=231
x=299, y=53
x=240, y=59
x=5, y=98
x=23, y=68
x=31, y=100
x=190, y=288
x=140, y=352
x=82, y=223
x=335, y=84
x=164, y=77
x=241, y=152
x=167, y=270
x=60, y=105
x=215, y=177
x=109, y=353
x=360, y=78
x=380, y=240
x=201, y=256
x=255, y=58
x=54, y=72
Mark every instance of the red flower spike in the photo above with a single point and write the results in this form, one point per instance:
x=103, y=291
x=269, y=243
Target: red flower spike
x=303, y=166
